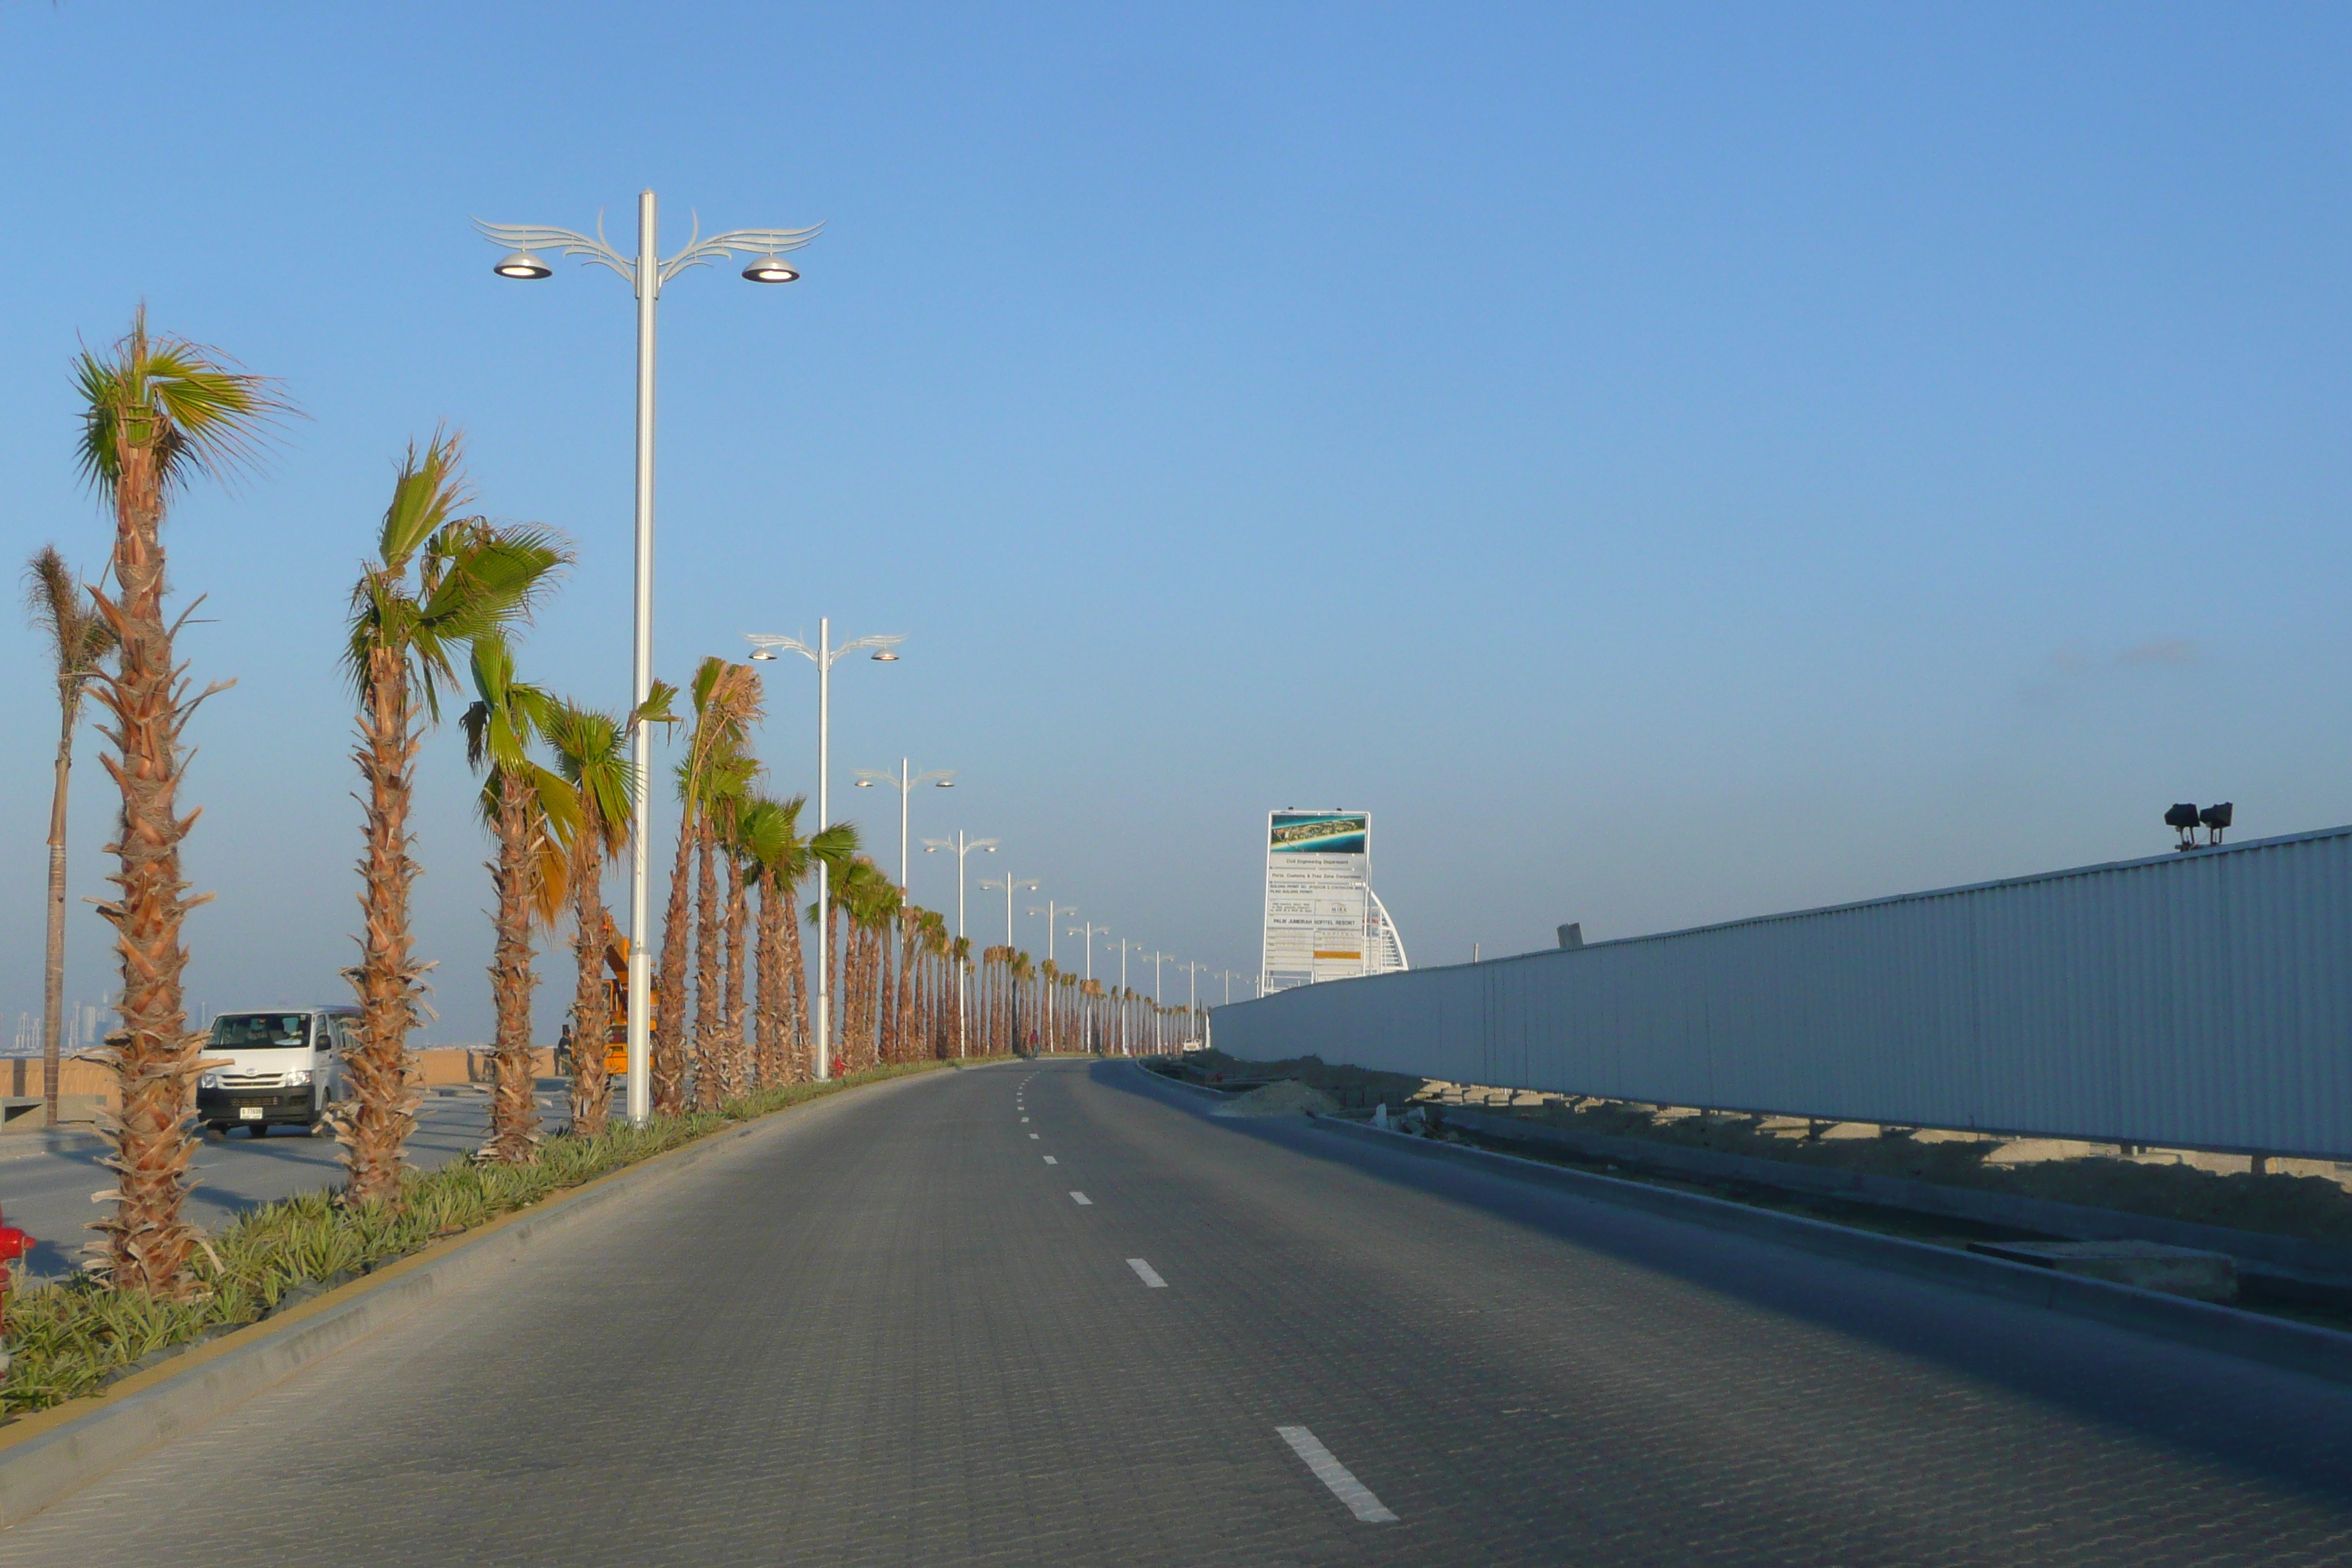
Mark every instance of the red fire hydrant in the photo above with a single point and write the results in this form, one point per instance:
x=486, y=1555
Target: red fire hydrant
x=14, y=1244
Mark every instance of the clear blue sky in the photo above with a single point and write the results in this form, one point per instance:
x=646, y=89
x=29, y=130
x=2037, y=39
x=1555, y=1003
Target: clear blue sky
x=1667, y=464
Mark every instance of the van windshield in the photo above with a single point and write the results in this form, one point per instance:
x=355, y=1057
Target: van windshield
x=261, y=1031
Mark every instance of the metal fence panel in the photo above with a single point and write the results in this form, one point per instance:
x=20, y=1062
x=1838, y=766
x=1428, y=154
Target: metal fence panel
x=2201, y=1000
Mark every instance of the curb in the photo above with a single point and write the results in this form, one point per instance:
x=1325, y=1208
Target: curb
x=2297, y=1347
x=48, y=1456
x=1183, y=1083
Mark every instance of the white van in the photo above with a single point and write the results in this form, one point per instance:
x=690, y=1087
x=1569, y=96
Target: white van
x=285, y=1067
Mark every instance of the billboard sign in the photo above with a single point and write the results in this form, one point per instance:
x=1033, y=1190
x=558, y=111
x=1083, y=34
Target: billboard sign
x=1318, y=896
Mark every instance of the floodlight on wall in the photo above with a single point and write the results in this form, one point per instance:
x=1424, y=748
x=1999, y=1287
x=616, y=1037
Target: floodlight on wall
x=2215, y=818
x=2182, y=816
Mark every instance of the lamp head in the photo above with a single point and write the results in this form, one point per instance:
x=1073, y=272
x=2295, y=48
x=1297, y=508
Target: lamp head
x=772, y=270
x=884, y=656
x=946, y=784
x=865, y=784
x=523, y=264
x=763, y=654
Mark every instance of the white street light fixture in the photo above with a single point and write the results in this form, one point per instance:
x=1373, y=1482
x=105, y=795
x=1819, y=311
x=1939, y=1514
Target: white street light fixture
x=1009, y=883
x=772, y=270
x=645, y=273
x=962, y=847
x=902, y=781
x=823, y=655
x=1125, y=1047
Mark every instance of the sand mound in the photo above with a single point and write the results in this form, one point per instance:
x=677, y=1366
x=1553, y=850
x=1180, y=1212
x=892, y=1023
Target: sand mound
x=1288, y=1098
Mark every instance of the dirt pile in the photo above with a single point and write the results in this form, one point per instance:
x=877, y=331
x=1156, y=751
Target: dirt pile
x=1285, y=1098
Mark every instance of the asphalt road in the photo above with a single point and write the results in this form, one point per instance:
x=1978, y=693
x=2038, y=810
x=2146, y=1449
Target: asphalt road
x=884, y=1329
x=47, y=1194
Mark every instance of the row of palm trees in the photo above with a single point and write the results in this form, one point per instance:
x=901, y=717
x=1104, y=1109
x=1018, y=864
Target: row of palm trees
x=434, y=617
x=1028, y=1006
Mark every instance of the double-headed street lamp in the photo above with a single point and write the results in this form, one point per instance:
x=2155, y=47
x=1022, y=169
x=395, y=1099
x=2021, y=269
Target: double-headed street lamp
x=1092, y=930
x=645, y=273
x=903, y=781
x=1009, y=883
x=962, y=847
x=1125, y=1045
x=823, y=655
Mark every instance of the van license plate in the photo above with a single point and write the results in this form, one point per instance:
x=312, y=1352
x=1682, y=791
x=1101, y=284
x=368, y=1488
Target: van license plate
x=248, y=1113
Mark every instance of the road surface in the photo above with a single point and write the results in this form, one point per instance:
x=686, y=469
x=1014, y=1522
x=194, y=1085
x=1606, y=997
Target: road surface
x=1057, y=1315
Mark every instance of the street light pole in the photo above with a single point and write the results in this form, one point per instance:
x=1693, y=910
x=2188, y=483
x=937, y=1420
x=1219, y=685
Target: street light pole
x=1010, y=882
x=1126, y=1003
x=824, y=656
x=962, y=847
x=646, y=274
x=903, y=781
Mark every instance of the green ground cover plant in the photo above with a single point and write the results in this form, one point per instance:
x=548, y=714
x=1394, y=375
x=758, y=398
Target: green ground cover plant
x=72, y=1338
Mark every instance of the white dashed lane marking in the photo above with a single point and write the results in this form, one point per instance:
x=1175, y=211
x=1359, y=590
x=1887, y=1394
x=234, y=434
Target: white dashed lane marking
x=1337, y=1476
x=1149, y=1275
x=1082, y=1200
x=1033, y=1135
x=1051, y=1161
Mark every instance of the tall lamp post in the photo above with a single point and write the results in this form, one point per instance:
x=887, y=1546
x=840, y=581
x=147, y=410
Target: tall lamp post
x=903, y=781
x=1092, y=931
x=645, y=273
x=824, y=656
x=1125, y=1001
x=962, y=847
x=1009, y=883
x=1049, y=912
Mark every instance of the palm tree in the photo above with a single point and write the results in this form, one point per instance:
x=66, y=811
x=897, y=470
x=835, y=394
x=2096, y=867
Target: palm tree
x=438, y=582
x=591, y=749
x=766, y=843
x=78, y=640
x=157, y=413
x=726, y=780
x=533, y=813
x=727, y=703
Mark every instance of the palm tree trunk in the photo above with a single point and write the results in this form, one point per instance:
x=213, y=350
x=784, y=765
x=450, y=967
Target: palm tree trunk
x=592, y=1014
x=144, y=1245
x=707, y=1020
x=514, y=1106
x=376, y=1124
x=739, y=909
x=669, y=1025
x=53, y=969
x=796, y=1019
x=768, y=1051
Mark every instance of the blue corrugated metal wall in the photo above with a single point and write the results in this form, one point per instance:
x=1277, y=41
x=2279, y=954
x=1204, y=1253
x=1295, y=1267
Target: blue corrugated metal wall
x=2201, y=1000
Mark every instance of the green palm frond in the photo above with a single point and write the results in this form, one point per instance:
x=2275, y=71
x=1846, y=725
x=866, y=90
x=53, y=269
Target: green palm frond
x=184, y=405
